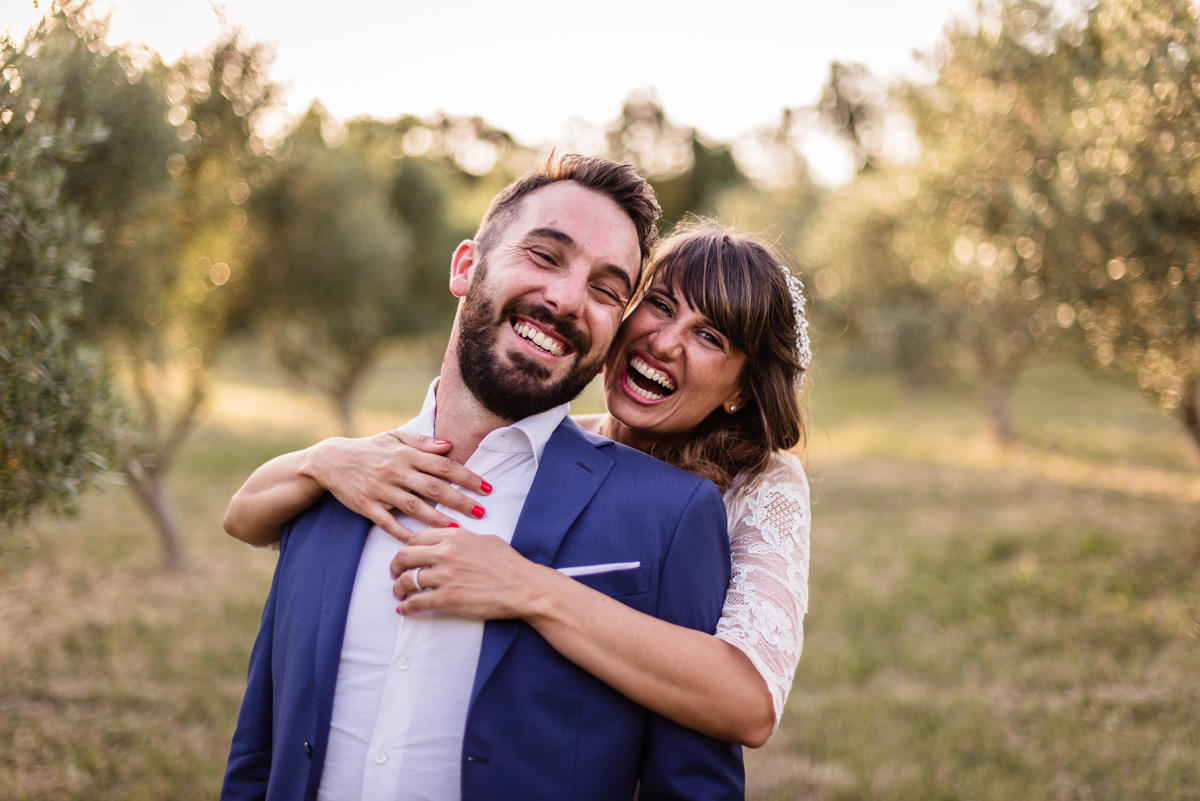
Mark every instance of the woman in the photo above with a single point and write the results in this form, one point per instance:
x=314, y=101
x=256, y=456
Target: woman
x=703, y=374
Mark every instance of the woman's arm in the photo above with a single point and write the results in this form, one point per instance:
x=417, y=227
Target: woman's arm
x=273, y=494
x=685, y=675
x=369, y=475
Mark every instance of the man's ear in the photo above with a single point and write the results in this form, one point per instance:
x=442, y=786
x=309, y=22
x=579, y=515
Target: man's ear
x=461, y=264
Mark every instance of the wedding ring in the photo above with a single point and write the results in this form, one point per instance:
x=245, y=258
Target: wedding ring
x=417, y=580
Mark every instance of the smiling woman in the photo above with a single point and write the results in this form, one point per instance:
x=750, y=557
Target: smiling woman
x=703, y=372
x=667, y=344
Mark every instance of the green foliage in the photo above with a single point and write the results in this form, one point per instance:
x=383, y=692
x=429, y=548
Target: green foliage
x=851, y=104
x=120, y=181
x=350, y=249
x=1055, y=193
x=56, y=411
x=161, y=186
x=885, y=302
x=688, y=174
x=1126, y=188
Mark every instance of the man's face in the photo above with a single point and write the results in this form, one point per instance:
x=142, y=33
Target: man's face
x=542, y=305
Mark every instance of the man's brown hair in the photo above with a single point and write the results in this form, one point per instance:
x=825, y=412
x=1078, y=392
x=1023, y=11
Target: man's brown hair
x=620, y=182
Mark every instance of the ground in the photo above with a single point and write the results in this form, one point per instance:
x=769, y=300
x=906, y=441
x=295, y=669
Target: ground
x=985, y=622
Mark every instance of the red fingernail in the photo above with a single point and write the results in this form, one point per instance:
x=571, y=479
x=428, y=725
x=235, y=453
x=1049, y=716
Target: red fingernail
x=441, y=442
x=452, y=524
x=398, y=612
x=477, y=511
x=486, y=487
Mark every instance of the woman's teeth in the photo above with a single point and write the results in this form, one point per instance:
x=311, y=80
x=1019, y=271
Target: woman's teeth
x=531, y=334
x=650, y=375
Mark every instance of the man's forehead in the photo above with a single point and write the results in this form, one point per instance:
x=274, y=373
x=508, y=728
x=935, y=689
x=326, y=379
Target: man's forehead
x=591, y=220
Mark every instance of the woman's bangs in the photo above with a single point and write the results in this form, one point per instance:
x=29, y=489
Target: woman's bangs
x=717, y=288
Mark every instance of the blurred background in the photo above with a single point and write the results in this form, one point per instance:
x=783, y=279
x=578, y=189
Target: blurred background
x=225, y=232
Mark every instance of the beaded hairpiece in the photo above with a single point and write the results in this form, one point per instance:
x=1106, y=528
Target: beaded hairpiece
x=803, y=346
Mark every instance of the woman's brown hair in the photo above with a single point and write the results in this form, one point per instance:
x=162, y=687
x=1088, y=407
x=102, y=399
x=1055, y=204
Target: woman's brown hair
x=736, y=281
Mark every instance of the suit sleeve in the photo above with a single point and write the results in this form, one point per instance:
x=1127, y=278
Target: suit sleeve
x=679, y=763
x=249, y=764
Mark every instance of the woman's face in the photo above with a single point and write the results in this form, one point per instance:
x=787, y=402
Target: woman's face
x=669, y=367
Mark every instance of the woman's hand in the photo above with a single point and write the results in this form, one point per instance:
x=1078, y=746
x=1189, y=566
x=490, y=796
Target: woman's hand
x=394, y=470
x=689, y=676
x=474, y=575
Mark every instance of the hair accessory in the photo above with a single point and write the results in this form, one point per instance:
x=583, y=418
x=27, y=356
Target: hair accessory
x=803, y=346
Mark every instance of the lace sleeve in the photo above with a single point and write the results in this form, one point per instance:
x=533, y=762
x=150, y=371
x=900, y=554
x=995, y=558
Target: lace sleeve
x=764, y=610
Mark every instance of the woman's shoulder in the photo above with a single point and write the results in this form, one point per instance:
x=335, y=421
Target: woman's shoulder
x=788, y=466
x=784, y=469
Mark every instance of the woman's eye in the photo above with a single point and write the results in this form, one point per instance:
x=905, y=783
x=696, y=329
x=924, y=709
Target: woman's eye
x=659, y=303
x=711, y=338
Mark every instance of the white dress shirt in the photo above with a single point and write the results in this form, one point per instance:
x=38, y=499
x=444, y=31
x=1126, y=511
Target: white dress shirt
x=404, y=682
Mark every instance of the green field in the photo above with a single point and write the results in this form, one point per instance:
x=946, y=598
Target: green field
x=985, y=623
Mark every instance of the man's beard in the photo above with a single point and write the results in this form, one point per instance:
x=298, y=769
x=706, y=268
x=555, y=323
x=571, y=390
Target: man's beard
x=519, y=389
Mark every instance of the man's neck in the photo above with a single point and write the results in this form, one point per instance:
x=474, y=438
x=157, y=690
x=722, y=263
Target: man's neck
x=460, y=417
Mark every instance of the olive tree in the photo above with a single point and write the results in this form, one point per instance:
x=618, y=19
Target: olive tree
x=56, y=410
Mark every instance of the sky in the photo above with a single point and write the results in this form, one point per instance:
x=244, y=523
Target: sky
x=531, y=66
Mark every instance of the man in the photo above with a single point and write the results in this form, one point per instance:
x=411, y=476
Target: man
x=345, y=699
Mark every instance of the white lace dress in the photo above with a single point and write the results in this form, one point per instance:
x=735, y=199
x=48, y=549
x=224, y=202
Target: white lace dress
x=764, y=610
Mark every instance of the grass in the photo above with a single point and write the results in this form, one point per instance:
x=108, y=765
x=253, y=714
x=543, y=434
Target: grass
x=985, y=623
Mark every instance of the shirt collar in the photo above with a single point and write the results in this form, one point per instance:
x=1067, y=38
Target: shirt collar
x=536, y=429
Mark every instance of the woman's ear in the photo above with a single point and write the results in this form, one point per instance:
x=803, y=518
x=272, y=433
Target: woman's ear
x=734, y=402
x=461, y=263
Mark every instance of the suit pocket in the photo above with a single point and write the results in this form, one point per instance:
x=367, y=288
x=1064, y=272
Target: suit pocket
x=619, y=583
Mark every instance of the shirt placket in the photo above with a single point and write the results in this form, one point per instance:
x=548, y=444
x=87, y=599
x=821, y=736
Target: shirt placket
x=386, y=748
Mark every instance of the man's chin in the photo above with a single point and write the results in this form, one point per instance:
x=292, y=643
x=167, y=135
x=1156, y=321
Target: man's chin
x=522, y=387
x=524, y=368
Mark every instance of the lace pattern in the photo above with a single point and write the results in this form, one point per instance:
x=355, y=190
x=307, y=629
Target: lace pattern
x=769, y=524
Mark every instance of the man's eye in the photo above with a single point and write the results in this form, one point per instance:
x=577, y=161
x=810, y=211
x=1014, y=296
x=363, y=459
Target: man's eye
x=542, y=255
x=610, y=294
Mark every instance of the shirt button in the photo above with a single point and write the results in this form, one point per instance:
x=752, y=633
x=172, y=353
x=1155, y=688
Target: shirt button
x=402, y=663
x=380, y=758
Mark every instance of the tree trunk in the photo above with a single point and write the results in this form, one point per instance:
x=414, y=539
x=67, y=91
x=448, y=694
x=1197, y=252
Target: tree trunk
x=999, y=410
x=1189, y=411
x=344, y=407
x=345, y=388
x=998, y=372
x=151, y=492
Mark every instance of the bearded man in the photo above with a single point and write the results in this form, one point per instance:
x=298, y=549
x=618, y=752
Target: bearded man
x=346, y=699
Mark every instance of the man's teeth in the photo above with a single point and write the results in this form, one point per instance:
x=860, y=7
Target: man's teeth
x=650, y=374
x=527, y=331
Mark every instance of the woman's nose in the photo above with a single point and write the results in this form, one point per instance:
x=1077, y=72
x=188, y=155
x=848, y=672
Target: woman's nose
x=666, y=342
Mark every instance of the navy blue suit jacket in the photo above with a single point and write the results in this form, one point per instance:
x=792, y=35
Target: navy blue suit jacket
x=538, y=727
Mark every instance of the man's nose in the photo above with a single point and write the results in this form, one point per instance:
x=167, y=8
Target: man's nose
x=567, y=293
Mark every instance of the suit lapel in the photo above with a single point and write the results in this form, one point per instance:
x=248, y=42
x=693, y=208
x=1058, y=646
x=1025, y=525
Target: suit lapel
x=341, y=536
x=571, y=470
